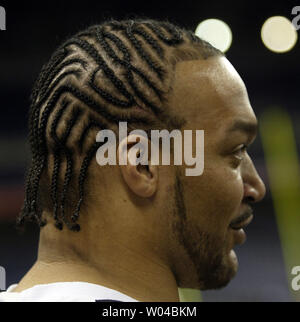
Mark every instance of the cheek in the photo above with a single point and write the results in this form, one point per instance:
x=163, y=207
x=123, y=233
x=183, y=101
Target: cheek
x=214, y=199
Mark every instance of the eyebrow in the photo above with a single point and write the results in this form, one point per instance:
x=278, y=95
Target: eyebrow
x=250, y=128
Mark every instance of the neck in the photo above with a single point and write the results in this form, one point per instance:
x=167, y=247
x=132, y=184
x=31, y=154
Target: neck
x=136, y=273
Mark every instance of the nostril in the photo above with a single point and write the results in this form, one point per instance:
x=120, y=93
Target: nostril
x=249, y=199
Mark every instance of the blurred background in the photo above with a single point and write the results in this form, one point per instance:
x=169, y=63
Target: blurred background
x=266, y=54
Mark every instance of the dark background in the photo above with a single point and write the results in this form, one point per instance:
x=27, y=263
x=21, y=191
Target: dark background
x=35, y=30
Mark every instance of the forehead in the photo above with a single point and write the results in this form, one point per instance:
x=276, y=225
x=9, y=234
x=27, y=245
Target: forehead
x=210, y=93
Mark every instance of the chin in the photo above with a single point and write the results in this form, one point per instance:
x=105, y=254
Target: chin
x=220, y=273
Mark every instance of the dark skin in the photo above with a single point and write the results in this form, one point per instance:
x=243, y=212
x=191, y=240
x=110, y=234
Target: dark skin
x=157, y=229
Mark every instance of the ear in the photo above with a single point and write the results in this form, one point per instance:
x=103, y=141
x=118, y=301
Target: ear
x=137, y=171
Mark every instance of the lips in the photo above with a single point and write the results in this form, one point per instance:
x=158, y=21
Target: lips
x=238, y=224
x=242, y=221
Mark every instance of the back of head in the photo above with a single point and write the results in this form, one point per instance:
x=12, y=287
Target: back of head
x=112, y=72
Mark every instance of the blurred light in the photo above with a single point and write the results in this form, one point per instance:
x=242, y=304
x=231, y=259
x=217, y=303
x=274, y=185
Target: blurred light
x=216, y=32
x=279, y=34
x=280, y=148
x=189, y=295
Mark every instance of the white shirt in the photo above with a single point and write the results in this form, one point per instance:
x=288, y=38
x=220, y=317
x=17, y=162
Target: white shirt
x=64, y=292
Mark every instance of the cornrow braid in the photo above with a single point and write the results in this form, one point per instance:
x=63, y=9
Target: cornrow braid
x=126, y=63
x=82, y=176
x=111, y=72
x=46, y=90
x=92, y=124
x=142, y=53
x=57, y=57
x=56, y=166
x=29, y=206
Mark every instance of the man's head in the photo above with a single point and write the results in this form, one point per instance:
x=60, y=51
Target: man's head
x=152, y=75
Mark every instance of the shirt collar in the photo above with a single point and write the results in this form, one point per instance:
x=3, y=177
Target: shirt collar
x=69, y=292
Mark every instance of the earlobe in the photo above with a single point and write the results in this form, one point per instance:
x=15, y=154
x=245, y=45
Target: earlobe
x=142, y=183
x=141, y=179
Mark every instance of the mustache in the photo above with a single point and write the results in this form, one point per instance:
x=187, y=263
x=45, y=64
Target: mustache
x=244, y=216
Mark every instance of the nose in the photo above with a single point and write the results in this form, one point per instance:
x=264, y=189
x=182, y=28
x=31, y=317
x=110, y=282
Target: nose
x=254, y=187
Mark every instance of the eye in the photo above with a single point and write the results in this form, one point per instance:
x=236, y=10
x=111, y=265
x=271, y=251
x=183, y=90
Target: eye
x=240, y=152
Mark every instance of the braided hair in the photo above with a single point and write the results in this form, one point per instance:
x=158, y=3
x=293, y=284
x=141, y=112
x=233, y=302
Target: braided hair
x=111, y=72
